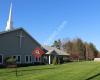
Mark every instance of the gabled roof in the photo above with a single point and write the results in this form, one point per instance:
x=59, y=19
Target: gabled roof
x=51, y=49
x=5, y=32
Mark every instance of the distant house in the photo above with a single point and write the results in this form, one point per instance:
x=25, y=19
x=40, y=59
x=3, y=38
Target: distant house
x=53, y=52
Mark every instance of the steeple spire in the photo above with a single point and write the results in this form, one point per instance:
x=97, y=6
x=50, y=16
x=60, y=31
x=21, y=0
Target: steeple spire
x=9, y=25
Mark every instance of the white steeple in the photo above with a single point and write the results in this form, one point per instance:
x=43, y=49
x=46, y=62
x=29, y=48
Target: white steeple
x=9, y=25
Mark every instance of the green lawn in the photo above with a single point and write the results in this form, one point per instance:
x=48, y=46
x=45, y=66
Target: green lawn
x=69, y=71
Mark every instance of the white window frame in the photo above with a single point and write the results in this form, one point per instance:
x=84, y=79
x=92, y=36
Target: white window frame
x=17, y=58
x=20, y=58
x=2, y=59
x=28, y=58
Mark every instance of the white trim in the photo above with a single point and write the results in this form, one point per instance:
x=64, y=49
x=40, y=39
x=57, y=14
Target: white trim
x=20, y=58
x=49, y=59
x=2, y=59
x=28, y=58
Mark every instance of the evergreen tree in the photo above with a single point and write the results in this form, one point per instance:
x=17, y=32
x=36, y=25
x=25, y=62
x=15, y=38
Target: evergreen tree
x=57, y=44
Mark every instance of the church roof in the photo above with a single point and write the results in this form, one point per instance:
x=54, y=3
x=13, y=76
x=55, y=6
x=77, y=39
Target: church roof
x=6, y=32
x=51, y=49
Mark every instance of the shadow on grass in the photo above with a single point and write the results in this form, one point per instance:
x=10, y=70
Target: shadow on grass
x=38, y=69
x=92, y=77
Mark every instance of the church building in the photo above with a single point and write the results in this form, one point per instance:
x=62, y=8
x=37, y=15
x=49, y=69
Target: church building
x=20, y=45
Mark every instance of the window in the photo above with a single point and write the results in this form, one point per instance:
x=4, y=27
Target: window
x=14, y=57
x=1, y=59
x=37, y=59
x=28, y=59
x=18, y=58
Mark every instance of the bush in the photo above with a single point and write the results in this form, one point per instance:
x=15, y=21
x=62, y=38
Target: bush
x=10, y=60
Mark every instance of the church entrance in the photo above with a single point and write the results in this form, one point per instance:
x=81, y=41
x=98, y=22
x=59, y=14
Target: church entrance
x=1, y=59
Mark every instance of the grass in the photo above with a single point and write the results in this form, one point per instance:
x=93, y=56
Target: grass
x=69, y=71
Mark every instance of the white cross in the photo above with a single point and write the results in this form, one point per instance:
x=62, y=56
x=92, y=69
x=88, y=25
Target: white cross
x=20, y=36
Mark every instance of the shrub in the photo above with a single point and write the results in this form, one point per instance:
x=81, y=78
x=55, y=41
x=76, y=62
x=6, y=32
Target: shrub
x=10, y=60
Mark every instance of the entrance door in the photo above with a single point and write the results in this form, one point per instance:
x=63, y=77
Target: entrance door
x=1, y=59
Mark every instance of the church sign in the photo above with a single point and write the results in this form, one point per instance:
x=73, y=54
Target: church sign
x=37, y=52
